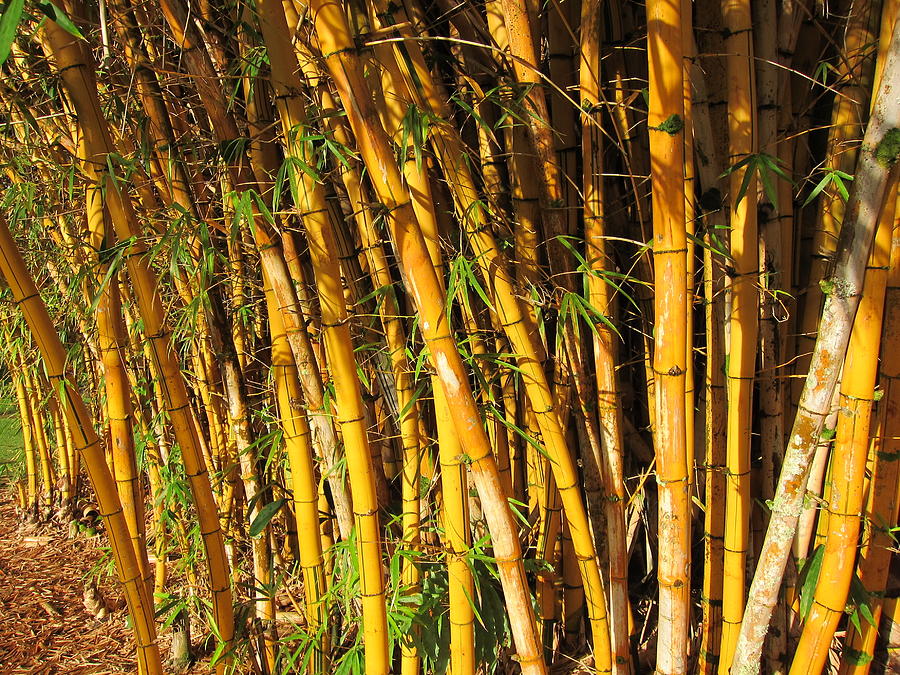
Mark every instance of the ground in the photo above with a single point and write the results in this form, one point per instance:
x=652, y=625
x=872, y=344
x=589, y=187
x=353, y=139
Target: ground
x=44, y=626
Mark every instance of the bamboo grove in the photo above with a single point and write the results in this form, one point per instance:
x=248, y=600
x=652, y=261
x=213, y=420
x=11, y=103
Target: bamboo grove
x=391, y=336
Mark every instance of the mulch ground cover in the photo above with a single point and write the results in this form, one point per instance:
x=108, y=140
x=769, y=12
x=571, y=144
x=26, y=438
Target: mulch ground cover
x=44, y=626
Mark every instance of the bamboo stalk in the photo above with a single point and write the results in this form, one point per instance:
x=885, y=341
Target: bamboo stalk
x=76, y=76
x=336, y=43
x=304, y=488
x=744, y=318
x=851, y=447
x=140, y=605
x=844, y=286
x=666, y=124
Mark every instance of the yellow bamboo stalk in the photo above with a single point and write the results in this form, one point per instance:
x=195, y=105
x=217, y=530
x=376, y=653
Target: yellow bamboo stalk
x=882, y=502
x=119, y=418
x=351, y=413
x=304, y=487
x=39, y=436
x=851, y=445
x=395, y=339
x=605, y=340
x=455, y=492
x=71, y=62
x=27, y=297
x=845, y=286
x=270, y=251
x=743, y=321
x=28, y=445
x=518, y=327
x=336, y=42
x=666, y=123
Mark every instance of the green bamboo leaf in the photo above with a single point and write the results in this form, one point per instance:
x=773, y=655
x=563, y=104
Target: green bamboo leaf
x=809, y=579
x=9, y=22
x=265, y=514
x=821, y=185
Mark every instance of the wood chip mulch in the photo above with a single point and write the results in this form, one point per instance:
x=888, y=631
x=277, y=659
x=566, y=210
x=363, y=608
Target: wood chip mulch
x=44, y=627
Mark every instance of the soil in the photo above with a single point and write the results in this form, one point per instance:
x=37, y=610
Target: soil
x=44, y=626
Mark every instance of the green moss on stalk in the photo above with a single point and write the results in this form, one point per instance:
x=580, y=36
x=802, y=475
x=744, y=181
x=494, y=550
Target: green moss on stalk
x=888, y=151
x=672, y=125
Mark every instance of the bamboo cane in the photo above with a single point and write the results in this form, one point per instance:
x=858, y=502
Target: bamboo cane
x=76, y=77
x=343, y=63
x=844, y=286
x=666, y=123
x=27, y=297
x=848, y=461
x=744, y=319
x=604, y=338
x=303, y=484
x=882, y=502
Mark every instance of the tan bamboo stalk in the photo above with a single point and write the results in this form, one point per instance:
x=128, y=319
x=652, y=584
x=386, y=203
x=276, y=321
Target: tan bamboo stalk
x=351, y=414
x=774, y=276
x=226, y=130
x=844, y=286
x=518, y=328
x=39, y=436
x=65, y=468
x=27, y=297
x=851, y=447
x=304, y=489
x=744, y=317
x=336, y=42
x=605, y=341
x=666, y=123
x=71, y=63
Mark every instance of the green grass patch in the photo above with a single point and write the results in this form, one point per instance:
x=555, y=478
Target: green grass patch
x=12, y=463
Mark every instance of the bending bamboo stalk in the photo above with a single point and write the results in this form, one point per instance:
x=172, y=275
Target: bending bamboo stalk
x=844, y=286
x=137, y=598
